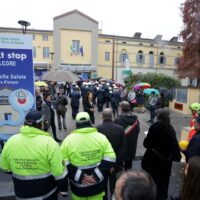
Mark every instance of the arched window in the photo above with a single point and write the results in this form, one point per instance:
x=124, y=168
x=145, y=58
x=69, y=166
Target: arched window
x=151, y=59
x=177, y=59
x=140, y=57
x=162, y=59
x=123, y=55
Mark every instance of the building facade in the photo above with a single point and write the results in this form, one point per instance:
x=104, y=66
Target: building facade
x=76, y=44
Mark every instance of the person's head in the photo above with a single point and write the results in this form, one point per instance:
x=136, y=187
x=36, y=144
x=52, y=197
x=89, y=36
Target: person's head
x=125, y=106
x=107, y=114
x=34, y=119
x=163, y=116
x=47, y=97
x=83, y=120
x=89, y=96
x=135, y=185
x=153, y=93
x=195, y=108
x=191, y=185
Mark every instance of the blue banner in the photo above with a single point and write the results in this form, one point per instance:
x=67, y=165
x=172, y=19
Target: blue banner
x=16, y=80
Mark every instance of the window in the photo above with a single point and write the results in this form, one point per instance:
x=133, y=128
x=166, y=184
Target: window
x=107, y=56
x=123, y=57
x=33, y=36
x=45, y=52
x=123, y=42
x=177, y=60
x=107, y=41
x=140, y=57
x=76, y=46
x=181, y=95
x=45, y=37
x=34, y=52
x=162, y=59
x=8, y=116
x=151, y=59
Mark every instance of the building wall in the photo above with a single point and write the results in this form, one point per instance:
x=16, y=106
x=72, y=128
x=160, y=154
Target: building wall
x=193, y=96
x=85, y=38
x=39, y=43
x=78, y=24
x=132, y=46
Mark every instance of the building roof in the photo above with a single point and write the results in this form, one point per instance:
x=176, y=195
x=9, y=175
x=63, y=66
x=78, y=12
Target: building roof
x=6, y=29
x=75, y=12
x=175, y=42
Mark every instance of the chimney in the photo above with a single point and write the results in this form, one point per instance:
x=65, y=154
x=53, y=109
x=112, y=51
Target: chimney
x=174, y=39
x=137, y=35
x=158, y=37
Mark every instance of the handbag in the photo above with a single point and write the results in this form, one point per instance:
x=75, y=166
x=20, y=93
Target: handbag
x=134, y=101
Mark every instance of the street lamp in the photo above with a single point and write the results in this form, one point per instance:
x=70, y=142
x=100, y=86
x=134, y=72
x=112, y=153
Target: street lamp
x=52, y=54
x=24, y=25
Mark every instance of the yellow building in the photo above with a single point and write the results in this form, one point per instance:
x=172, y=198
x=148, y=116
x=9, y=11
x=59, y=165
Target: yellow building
x=76, y=44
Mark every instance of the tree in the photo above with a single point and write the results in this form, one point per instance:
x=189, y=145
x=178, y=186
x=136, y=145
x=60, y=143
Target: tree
x=189, y=65
x=156, y=80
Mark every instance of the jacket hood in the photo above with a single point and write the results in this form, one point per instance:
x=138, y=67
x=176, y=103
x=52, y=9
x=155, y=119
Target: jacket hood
x=85, y=130
x=128, y=118
x=31, y=131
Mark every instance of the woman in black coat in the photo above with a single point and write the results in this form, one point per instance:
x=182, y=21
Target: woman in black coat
x=162, y=149
x=88, y=105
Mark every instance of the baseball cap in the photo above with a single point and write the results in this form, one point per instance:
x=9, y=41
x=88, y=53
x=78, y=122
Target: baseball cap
x=33, y=117
x=82, y=117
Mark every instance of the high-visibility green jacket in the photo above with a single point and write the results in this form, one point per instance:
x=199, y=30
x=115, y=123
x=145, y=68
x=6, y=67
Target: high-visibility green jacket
x=87, y=152
x=35, y=161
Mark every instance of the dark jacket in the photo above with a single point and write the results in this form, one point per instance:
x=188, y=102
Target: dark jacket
x=162, y=149
x=60, y=104
x=115, y=98
x=75, y=96
x=193, y=148
x=116, y=137
x=127, y=120
x=87, y=106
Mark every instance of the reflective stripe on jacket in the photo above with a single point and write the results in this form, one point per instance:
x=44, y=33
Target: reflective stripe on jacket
x=87, y=152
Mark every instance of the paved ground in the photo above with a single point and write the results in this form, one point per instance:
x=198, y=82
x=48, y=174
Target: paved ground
x=177, y=120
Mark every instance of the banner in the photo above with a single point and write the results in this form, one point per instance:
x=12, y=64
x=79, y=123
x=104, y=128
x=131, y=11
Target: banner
x=16, y=80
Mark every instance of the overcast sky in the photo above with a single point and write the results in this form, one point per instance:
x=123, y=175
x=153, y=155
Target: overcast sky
x=151, y=17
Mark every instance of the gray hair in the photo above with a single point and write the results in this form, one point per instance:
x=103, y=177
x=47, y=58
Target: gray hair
x=163, y=116
x=125, y=106
x=107, y=113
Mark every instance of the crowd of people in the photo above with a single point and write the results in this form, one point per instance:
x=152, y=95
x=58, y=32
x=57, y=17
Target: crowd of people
x=96, y=160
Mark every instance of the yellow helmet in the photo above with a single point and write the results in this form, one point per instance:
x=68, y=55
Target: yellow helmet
x=183, y=144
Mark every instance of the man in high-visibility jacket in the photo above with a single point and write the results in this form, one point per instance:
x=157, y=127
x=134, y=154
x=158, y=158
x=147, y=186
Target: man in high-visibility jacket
x=89, y=157
x=35, y=161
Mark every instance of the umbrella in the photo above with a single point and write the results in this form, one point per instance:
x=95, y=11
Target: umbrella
x=150, y=90
x=141, y=85
x=61, y=76
x=41, y=84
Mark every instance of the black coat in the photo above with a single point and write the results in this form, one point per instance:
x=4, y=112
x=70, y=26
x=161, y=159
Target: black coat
x=193, y=148
x=75, y=96
x=162, y=149
x=87, y=106
x=126, y=120
x=116, y=137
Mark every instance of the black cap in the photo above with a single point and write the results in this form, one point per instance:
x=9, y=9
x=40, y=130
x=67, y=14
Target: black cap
x=33, y=117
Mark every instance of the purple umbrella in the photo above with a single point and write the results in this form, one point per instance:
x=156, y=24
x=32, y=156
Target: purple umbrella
x=136, y=87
